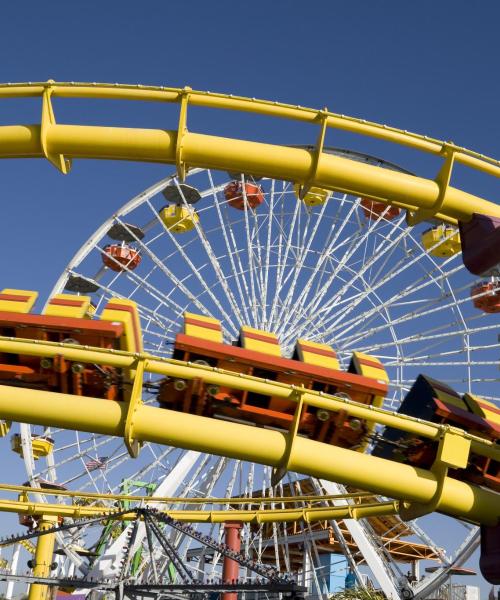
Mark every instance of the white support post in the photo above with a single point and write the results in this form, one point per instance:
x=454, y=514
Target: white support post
x=13, y=569
x=370, y=553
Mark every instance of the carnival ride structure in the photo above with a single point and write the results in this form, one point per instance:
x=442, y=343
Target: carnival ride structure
x=317, y=304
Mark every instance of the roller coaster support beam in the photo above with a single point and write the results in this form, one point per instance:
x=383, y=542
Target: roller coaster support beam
x=43, y=558
x=423, y=198
x=230, y=568
x=269, y=447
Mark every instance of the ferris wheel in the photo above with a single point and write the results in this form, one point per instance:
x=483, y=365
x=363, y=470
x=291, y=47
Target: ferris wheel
x=329, y=267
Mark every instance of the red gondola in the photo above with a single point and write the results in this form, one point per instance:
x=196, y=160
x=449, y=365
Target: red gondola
x=235, y=193
x=373, y=210
x=117, y=257
x=486, y=297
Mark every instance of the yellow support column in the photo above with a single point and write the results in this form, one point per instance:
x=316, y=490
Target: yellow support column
x=43, y=558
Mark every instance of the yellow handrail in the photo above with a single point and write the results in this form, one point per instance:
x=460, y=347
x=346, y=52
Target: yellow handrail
x=282, y=450
x=306, y=513
x=60, y=143
x=26, y=490
x=179, y=369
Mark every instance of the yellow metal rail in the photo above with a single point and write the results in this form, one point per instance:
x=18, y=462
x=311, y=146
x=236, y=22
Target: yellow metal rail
x=423, y=198
x=182, y=370
x=248, y=501
x=274, y=515
x=423, y=489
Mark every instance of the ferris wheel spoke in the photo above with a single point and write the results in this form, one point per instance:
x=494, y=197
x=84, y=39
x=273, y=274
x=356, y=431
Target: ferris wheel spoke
x=430, y=363
x=239, y=273
x=419, y=356
x=291, y=305
x=159, y=463
x=315, y=332
x=397, y=271
x=411, y=316
x=412, y=288
x=194, y=297
x=260, y=247
x=430, y=334
x=180, y=283
x=83, y=447
x=229, y=248
x=383, y=249
x=286, y=247
x=98, y=475
x=266, y=266
x=340, y=316
x=353, y=244
x=250, y=238
x=213, y=261
x=319, y=268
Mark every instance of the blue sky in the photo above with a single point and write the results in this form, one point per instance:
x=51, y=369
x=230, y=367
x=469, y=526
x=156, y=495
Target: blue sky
x=429, y=67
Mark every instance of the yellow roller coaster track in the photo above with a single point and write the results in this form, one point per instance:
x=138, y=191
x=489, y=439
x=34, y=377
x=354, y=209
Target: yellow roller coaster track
x=421, y=490
x=307, y=513
x=423, y=198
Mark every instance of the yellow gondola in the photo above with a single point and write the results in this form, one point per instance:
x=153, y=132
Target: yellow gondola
x=178, y=219
x=41, y=445
x=443, y=241
x=315, y=196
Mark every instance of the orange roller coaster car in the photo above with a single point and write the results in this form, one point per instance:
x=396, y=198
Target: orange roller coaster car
x=435, y=401
x=67, y=318
x=314, y=366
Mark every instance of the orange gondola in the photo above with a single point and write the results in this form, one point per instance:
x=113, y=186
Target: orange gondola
x=486, y=297
x=374, y=210
x=236, y=192
x=119, y=257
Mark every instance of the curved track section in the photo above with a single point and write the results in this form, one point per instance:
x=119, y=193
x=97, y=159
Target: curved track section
x=424, y=198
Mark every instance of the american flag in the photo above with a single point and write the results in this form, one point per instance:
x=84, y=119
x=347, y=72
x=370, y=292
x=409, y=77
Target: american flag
x=97, y=463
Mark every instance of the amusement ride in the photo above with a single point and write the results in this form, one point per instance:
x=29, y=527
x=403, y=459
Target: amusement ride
x=275, y=364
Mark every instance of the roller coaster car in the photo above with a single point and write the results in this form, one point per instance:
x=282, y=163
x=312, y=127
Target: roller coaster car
x=313, y=366
x=436, y=402
x=67, y=319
